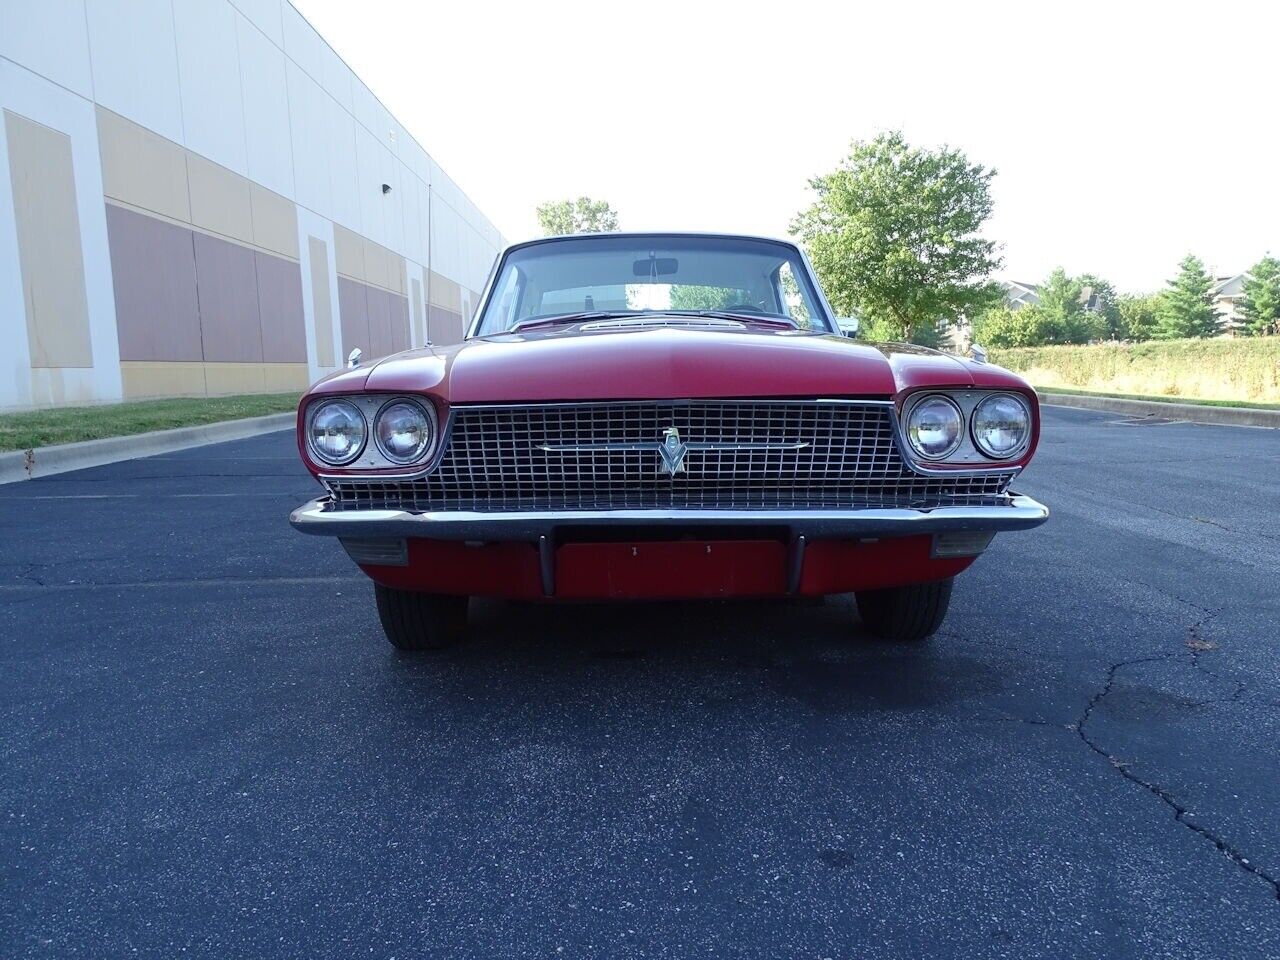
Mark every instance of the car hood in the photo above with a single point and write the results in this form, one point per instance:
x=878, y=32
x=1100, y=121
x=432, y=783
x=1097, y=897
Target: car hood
x=664, y=362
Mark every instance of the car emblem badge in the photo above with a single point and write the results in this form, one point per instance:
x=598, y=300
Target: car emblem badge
x=672, y=450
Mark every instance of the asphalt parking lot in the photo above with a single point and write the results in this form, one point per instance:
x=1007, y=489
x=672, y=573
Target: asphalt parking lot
x=208, y=749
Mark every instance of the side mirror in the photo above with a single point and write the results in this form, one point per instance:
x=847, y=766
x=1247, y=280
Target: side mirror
x=848, y=325
x=353, y=358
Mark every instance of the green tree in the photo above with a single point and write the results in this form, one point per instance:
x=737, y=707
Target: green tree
x=1064, y=318
x=1005, y=326
x=894, y=236
x=583, y=215
x=1139, y=316
x=1260, y=304
x=1186, y=309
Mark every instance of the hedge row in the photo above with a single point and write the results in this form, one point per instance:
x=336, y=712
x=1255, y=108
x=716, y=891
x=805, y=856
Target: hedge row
x=1247, y=368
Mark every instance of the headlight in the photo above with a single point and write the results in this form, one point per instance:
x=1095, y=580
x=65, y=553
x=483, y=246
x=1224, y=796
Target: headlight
x=404, y=431
x=935, y=427
x=1001, y=426
x=336, y=431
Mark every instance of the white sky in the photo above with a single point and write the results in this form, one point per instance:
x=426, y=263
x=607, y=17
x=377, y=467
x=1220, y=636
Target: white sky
x=1125, y=135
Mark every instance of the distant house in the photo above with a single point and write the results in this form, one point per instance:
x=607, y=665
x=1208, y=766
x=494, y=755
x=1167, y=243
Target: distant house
x=1227, y=293
x=1018, y=295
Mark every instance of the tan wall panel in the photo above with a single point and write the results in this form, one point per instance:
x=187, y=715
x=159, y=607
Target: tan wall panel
x=321, y=302
x=146, y=378
x=348, y=252
x=275, y=222
x=443, y=292
x=219, y=199
x=224, y=379
x=285, y=377
x=402, y=279
x=377, y=264
x=48, y=228
x=416, y=298
x=142, y=168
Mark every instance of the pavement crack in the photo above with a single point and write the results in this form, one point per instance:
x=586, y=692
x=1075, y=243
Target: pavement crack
x=1180, y=813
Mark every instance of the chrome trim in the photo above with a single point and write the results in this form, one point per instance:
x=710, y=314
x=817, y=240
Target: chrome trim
x=1019, y=513
x=371, y=406
x=973, y=462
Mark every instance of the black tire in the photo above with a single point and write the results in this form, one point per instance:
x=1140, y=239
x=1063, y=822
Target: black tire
x=905, y=614
x=420, y=621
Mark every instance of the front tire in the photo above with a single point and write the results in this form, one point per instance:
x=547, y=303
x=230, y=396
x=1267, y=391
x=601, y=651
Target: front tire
x=905, y=614
x=420, y=621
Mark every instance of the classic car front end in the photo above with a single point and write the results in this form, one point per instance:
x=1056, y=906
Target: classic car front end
x=643, y=416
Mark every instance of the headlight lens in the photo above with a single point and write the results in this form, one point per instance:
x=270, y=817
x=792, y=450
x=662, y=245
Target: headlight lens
x=336, y=431
x=404, y=431
x=935, y=427
x=1001, y=425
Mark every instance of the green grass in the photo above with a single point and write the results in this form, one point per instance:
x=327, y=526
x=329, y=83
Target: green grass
x=43, y=428
x=1133, y=396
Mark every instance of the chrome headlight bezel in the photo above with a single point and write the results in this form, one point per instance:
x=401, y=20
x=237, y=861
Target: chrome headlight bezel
x=339, y=402
x=1014, y=452
x=908, y=424
x=432, y=431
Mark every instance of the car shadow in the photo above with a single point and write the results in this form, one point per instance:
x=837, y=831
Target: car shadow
x=817, y=654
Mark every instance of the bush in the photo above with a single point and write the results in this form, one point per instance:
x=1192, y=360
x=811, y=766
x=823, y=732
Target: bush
x=1246, y=369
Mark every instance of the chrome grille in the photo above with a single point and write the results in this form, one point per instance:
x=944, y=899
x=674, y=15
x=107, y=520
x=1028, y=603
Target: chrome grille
x=768, y=455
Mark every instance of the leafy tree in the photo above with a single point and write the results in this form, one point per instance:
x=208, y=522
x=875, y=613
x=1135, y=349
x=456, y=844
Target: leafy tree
x=1063, y=317
x=692, y=297
x=1006, y=327
x=1186, y=309
x=1107, y=302
x=1138, y=316
x=1260, y=305
x=583, y=215
x=894, y=237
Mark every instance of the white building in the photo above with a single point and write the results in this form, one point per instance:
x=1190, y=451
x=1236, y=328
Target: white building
x=198, y=197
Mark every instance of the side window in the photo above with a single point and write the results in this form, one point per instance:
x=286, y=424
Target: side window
x=793, y=302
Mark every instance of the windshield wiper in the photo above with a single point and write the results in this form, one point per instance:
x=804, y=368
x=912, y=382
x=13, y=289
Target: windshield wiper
x=534, y=322
x=766, y=319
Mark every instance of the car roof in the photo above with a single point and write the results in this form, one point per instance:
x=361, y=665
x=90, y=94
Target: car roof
x=643, y=234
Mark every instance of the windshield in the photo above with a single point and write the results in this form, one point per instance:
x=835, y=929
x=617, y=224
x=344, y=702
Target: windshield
x=625, y=276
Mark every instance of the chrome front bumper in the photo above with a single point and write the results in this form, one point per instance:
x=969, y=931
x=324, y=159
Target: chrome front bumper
x=1020, y=513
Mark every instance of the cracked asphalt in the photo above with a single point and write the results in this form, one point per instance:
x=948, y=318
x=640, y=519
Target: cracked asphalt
x=207, y=748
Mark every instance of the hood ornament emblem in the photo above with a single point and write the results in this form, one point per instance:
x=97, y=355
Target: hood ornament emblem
x=672, y=450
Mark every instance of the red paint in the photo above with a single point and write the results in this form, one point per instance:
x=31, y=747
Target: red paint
x=664, y=570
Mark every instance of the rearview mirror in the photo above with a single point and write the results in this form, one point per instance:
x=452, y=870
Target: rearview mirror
x=848, y=325
x=655, y=267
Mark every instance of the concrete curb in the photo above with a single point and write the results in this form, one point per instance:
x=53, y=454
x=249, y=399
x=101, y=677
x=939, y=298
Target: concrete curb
x=46, y=461
x=1191, y=412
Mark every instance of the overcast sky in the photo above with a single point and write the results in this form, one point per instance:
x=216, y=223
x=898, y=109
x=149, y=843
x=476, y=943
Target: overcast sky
x=1125, y=135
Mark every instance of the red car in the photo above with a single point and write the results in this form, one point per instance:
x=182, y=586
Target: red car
x=643, y=416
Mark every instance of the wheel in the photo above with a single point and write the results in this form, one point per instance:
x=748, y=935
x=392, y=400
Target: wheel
x=420, y=621
x=905, y=614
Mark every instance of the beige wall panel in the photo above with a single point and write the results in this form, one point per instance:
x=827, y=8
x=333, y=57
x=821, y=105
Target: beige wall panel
x=321, y=302
x=275, y=222
x=225, y=379
x=219, y=199
x=443, y=292
x=402, y=281
x=142, y=168
x=285, y=377
x=49, y=254
x=377, y=264
x=419, y=335
x=144, y=378
x=348, y=252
